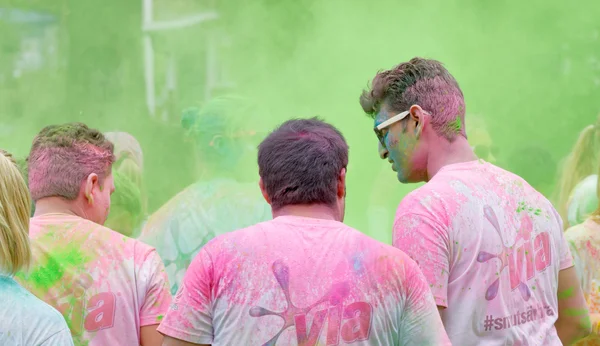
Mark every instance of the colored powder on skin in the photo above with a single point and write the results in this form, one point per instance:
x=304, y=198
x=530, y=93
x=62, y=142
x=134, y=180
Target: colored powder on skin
x=45, y=276
x=568, y=293
x=585, y=320
x=455, y=126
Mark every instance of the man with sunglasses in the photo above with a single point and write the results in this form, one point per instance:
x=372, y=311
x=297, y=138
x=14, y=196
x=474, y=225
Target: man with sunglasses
x=490, y=246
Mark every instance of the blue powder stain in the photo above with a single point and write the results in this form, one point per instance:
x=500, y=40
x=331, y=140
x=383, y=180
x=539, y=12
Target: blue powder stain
x=357, y=263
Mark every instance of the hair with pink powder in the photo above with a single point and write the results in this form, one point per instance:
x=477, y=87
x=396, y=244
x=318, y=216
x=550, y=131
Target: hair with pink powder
x=422, y=82
x=63, y=156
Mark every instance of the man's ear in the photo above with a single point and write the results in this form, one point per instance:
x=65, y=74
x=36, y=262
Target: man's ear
x=420, y=117
x=88, y=187
x=341, y=188
x=264, y=191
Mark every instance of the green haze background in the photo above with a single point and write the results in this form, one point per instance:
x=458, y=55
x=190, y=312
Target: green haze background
x=530, y=69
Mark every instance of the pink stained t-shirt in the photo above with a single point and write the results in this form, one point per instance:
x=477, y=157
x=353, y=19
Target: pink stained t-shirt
x=303, y=281
x=491, y=248
x=105, y=285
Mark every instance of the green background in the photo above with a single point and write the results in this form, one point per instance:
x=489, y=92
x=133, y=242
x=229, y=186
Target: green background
x=530, y=69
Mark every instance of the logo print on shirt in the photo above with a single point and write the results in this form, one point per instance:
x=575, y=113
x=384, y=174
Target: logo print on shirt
x=356, y=316
x=520, y=253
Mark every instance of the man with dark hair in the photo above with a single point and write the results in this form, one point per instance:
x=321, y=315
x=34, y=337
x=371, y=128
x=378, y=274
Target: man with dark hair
x=490, y=246
x=303, y=278
x=111, y=289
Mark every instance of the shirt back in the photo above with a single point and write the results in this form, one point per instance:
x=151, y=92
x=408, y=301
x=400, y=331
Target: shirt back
x=303, y=281
x=27, y=321
x=491, y=248
x=106, y=286
x=201, y=212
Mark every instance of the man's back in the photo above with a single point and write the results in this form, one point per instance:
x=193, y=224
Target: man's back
x=303, y=281
x=106, y=285
x=201, y=212
x=491, y=248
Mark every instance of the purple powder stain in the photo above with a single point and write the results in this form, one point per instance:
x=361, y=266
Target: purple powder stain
x=336, y=295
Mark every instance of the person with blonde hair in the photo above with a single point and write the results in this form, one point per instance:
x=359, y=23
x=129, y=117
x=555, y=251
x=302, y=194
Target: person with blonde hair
x=24, y=319
x=584, y=240
x=578, y=180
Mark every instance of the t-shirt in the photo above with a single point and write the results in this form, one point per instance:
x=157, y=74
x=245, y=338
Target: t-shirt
x=27, y=321
x=106, y=286
x=491, y=248
x=584, y=240
x=583, y=201
x=198, y=214
x=303, y=281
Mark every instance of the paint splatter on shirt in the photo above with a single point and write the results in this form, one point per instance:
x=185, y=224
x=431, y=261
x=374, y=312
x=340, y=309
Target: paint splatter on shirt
x=198, y=214
x=303, y=281
x=583, y=201
x=106, y=286
x=584, y=240
x=491, y=248
x=26, y=320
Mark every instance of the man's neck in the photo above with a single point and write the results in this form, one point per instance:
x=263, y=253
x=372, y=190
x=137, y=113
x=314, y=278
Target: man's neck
x=315, y=211
x=444, y=154
x=56, y=205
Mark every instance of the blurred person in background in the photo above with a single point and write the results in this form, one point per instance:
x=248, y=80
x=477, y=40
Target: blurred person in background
x=24, y=319
x=472, y=227
x=536, y=165
x=578, y=179
x=128, y=210
x=112, y=290
x=303, y=278
x=480, y=140
x=584, y=240
x=224, y=198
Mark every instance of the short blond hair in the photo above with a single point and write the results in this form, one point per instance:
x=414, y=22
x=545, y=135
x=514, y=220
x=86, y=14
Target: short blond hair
x=15, y=208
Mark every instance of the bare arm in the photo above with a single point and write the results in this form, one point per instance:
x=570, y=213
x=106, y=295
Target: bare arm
x=149, y=336
x=573, y=319
x=169, y=341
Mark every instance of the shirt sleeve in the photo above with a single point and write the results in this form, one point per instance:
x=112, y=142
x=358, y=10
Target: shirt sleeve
x=190, y=316
x=427, y=243
x=61, y=338
x=157, y=296
x=420, y=323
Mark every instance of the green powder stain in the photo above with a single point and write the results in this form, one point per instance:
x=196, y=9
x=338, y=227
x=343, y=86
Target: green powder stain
x=45, y=276
x=568, y=293
x=455, y=126
x=159, y=318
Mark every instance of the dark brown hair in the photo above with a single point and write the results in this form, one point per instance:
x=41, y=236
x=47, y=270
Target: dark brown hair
x=422, y=82
x=300, y=162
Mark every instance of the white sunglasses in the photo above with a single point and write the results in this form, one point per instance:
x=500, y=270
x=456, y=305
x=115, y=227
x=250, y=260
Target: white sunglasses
x=396, y=118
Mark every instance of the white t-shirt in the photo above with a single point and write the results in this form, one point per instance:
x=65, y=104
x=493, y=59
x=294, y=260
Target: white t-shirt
x=491, y=248
x=106, y=286
x=27, y=321
x=303, y=281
